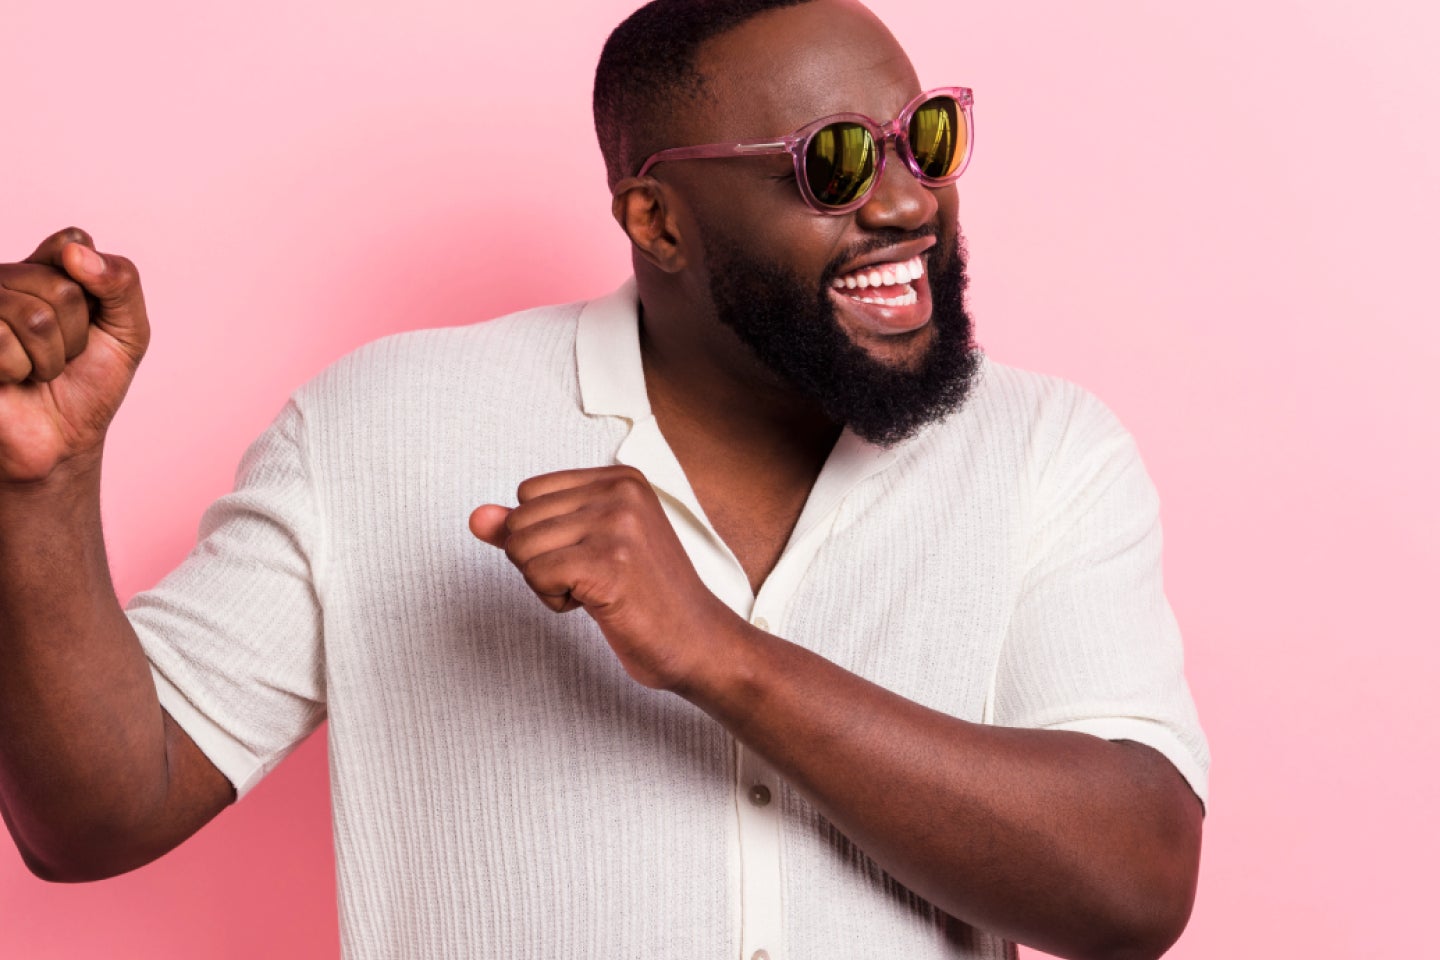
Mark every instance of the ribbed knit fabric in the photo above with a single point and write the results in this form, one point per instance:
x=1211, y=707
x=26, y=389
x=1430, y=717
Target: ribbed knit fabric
x=501, y=788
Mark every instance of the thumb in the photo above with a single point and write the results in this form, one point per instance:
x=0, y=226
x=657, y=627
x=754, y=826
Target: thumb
x=488, y=523
x=114, y=282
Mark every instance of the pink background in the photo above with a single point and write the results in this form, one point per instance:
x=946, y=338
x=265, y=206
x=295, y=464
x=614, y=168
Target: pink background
x=1216, y=216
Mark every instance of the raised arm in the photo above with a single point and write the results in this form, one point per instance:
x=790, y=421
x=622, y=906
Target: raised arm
x=95, y=779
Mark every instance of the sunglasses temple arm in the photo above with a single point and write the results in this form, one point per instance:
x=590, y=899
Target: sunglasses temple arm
x=717, y=151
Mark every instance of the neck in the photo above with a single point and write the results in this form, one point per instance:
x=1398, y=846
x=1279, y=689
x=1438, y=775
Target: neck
x=706, y=387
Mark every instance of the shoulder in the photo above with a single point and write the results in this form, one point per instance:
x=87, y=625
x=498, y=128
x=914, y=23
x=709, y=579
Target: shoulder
x=1078, y=457
x=1035, y=417
x=523, y=338
x=531, y=351
x=1041, y=401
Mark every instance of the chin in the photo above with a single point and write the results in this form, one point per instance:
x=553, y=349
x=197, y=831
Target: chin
x=901, y=352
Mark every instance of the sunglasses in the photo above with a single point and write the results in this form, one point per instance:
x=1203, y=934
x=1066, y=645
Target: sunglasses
x=839, y=159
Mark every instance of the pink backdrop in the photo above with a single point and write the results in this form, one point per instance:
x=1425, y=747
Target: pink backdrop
x=1217, y=216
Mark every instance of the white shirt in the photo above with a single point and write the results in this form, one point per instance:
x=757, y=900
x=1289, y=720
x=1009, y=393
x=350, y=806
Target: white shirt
x=501, y=788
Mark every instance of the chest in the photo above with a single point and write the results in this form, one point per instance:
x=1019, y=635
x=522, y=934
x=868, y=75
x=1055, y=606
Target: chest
x=755, y=521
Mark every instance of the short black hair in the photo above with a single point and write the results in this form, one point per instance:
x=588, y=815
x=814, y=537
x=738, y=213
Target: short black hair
x=648, y=66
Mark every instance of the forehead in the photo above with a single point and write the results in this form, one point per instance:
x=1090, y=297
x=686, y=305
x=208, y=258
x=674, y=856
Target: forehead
x=784, y=68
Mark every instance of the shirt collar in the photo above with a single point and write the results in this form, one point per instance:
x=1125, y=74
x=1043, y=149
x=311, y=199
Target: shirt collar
x=612, y=383
x=607, y=356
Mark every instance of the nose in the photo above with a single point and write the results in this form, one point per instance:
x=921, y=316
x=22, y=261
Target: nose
x=898, y=200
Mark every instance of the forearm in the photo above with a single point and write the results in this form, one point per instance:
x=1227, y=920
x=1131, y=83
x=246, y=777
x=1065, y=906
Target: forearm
x=1062, y=841
x=83, y=758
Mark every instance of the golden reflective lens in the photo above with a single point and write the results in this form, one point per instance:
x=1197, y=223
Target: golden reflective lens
x=840, y=163
x=937, y=137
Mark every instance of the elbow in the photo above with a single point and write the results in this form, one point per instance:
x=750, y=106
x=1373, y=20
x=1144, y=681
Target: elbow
x=1155, y=910
x=1148, y=944
x=54, y=870
x=97, y=858
x=75, y=872
x=1146, y=938
x=40, y=868
x=1142, y=945
x=1153, y=902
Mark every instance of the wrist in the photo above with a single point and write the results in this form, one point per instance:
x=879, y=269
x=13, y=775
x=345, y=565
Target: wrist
x=75, y=476
x=727, y=681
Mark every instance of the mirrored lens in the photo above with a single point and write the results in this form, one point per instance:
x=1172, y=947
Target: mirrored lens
x=840, y=163
x=937, y=137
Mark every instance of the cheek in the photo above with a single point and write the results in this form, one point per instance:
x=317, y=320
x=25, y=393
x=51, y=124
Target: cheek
x=791, y=237
x=725, y=192
x=764, y=215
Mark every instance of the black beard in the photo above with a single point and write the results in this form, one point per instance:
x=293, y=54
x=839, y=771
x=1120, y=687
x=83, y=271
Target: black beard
x=793, y=330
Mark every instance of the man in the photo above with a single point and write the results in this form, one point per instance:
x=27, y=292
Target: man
x=874, y=653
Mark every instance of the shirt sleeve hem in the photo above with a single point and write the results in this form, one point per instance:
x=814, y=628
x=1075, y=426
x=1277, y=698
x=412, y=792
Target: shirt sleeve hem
x=1154, y=735
x=241, y=767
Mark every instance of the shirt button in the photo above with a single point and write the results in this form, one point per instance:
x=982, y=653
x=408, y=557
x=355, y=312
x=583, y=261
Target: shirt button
x=760, y=796
x=762, y=624
x=760, y=955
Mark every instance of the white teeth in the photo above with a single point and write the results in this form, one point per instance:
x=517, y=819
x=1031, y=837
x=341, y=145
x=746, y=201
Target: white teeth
x=904, y=300
x=890, y=274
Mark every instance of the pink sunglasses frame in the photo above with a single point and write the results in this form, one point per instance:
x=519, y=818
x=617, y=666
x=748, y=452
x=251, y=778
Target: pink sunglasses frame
x=797, y=144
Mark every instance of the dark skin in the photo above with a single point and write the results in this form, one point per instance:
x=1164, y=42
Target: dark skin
x=1086, y=848
x=1077, y=846
x=95, y=778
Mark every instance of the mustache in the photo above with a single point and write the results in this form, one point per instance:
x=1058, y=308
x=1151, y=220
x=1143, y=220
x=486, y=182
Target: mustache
x=881, y=240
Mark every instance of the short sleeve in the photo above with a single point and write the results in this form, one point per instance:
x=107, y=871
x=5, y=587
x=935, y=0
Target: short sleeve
x=234, y=633
x=1093, y=645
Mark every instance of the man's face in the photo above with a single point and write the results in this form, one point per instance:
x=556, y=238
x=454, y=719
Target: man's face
x=772, y=262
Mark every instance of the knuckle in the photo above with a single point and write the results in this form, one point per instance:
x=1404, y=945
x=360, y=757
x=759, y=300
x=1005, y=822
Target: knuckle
x=624, y=521
x=73, y=235
x=619, y=554
x=632, y=477
x=64, y=293
x=123, y=268
x=41, y=321
x=622, y=484
x=642, y=488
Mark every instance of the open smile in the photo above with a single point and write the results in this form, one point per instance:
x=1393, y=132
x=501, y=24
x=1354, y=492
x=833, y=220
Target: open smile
x=885, y=298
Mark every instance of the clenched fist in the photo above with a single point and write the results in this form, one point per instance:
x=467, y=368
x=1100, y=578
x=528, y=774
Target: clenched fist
x=599, y=539
x=72, y=332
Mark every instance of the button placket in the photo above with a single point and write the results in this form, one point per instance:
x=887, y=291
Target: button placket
x=762, y=890
x=760, y=886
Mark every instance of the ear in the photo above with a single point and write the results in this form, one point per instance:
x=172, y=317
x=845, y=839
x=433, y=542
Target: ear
x=642, y=208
